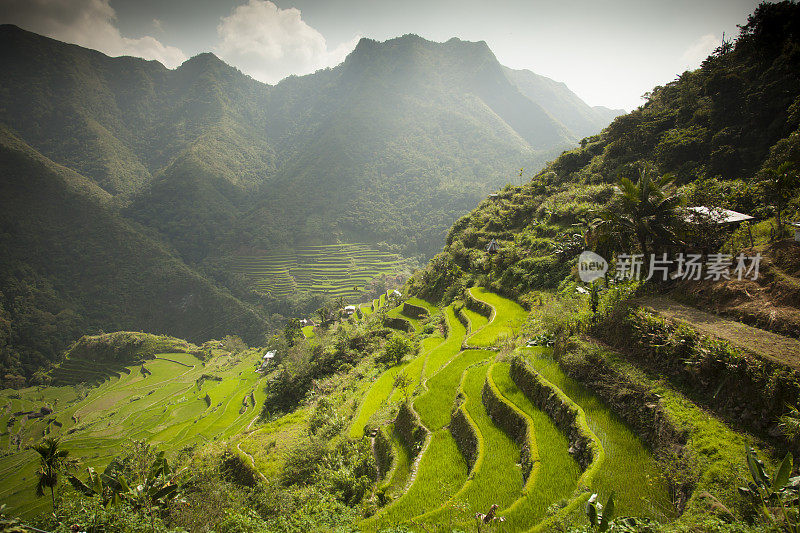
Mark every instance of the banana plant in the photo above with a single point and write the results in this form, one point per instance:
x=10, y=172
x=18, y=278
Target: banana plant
x=156, y=490
x=776, y=493
x=599, y=515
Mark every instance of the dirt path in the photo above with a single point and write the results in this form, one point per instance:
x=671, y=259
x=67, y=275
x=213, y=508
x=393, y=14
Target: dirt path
x=765, y=344
x=252, y=460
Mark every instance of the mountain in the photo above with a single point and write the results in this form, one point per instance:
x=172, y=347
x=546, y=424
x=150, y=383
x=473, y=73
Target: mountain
x=201, y=162
x=69, y=265
x=214, y=160
x=561, y=103
x=720, y=131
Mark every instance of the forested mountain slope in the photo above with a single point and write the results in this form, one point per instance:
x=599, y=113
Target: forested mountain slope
x=191, y=166
x=719, y=130
x=69, y=266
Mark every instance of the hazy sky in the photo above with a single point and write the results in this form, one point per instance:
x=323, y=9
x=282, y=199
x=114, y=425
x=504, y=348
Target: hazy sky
x=608, y=51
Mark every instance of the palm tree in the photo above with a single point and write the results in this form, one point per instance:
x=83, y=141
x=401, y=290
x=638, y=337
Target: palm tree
x=646, y=212
x=52, y=461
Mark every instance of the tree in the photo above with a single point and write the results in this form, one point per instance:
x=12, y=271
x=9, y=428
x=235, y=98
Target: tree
x=645, y=212
x=397, y=347
x=778, y=186
x=52, y=462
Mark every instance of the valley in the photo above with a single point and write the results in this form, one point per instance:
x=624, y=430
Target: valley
x=360, y=300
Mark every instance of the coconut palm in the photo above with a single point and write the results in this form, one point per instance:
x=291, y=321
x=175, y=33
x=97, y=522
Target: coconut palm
x=645, y=212
x=52, y=461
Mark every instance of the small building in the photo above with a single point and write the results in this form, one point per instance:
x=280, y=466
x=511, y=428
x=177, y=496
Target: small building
x=717, y=215
x=396, y=294
x=349, y=310
x=266, y=359
x=796, y=226
x=493, y=247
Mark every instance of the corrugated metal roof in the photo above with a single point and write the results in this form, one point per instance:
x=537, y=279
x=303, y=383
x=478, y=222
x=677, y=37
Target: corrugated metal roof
x=719, y=215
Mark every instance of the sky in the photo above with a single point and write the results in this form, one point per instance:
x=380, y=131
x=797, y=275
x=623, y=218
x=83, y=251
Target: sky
x=609, y=52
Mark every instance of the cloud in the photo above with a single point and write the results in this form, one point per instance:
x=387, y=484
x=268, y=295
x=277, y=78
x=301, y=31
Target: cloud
x=89, y=23
x=699, y=50
x=270, y=43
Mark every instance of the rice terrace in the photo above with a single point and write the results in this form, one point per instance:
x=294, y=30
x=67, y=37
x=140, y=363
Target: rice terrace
x=315, y=282
x=337, y=270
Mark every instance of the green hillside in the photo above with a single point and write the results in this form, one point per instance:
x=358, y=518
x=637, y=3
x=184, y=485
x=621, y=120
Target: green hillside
x=719, y=131
x=204, y=163
x=164, y=395
x=71, y=266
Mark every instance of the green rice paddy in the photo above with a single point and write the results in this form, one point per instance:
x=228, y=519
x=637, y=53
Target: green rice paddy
x=629, y=469
x=508, y=317
x=167, y=405
x=442, y=491
x=337, y=270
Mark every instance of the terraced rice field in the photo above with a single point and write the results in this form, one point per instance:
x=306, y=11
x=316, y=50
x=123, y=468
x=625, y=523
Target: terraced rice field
x=337, y=270
x=166, y=404
x=629, y=468
x=442, y=489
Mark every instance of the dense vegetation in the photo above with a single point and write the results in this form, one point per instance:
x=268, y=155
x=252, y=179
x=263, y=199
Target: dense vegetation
x=721, y=132
x=208, y=165
x=580, y=406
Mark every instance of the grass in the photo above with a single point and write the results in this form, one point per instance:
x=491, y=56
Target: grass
x=496, y=478
x=165, y=407
x=717, y=450
x=629, y=468
x=397, y=312
x=308, y=332
x=334, y=269
x=443, y=353
x=440, y=473
x=475, y=320
x=507, y=318
x=434, y=406
x=401, y=467
x=432, y=309
x=377, y=396
x=557, y=473
x=415, y=368
x=269, y=443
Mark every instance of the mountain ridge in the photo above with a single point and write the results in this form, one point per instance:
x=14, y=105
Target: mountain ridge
x=391, y=146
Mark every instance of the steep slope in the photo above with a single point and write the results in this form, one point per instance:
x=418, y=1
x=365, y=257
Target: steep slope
x=561, y=103
x=71, y=266
x=120, y=120
x=410, y=133
x=719, y=130
x=402, y=130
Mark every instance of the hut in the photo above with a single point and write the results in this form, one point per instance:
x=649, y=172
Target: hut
x=493, y=247
x=796, y=226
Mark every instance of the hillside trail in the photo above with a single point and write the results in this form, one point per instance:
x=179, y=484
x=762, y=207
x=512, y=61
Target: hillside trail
x=252, y=460
x=761, y=343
